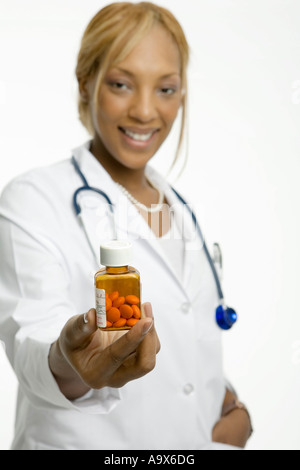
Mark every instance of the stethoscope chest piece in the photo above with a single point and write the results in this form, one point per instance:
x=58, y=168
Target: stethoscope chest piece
x=225, y=317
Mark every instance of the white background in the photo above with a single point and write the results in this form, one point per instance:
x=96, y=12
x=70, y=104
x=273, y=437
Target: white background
x=242, y=172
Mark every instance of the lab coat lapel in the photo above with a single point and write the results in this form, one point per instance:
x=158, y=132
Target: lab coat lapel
x=137, y=228
x=131, y=225
x=96, y=218
x=192, y=244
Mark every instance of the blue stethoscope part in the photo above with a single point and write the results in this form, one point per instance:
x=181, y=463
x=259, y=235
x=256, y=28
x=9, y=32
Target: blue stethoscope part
x=87, y=187
x=225, y=316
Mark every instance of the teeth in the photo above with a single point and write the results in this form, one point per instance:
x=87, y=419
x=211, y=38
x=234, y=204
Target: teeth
x=139, y=137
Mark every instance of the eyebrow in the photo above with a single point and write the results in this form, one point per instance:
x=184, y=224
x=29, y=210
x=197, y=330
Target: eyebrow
x=127, y=72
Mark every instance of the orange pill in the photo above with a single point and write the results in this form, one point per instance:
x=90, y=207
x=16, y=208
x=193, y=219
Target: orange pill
x=114, y=295
x=120, y=323
x=113, y=314
x=136, y=311
x=131, y=321
x=108, y=324
x=132, y=299
x=108, y=303
x=118, y=302
x=126, y=311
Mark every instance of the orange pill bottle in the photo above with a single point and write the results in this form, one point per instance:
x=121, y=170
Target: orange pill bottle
x=117, y=288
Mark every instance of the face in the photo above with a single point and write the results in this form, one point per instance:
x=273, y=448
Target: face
x=138, y=102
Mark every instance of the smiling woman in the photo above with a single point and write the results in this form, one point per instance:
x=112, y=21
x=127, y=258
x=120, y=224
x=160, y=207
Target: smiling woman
x=136, y=105
x=73, y=376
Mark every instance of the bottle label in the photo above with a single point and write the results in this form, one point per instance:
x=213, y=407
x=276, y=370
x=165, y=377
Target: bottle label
x=100, y=307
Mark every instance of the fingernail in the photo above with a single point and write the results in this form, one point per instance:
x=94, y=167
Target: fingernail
x=85, y=318
x=147, y=326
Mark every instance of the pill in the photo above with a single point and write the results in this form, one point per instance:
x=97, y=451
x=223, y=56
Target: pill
x=120, y=323
x=113, y=314
x=126, y=311
x=118, y=302
x=108, y=303
x=132, y=299
x=136, y=311
x=131, y=321
x=114, y=295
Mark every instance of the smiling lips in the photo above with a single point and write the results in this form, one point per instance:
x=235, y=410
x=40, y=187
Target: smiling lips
x=139, y=135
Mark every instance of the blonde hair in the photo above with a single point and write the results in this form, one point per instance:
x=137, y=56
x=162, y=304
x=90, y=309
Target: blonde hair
x=112, y=34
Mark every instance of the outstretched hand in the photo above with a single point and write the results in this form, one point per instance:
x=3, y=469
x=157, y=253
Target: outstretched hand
x=86, y=357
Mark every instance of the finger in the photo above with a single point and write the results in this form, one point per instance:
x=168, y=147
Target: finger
x=112, y=365
x=147, y=312
x=127, y=344
x=146, y=309
x=147, y=350
x=109, y=360
x=140, y=362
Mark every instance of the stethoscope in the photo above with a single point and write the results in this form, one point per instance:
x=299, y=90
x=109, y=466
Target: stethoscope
x=225, y=316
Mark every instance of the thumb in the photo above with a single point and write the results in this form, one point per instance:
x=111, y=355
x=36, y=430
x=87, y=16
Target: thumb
x=79, y=329
x=90, y=318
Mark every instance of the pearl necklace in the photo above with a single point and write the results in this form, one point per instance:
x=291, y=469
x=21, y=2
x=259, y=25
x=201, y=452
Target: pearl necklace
x=154, y=207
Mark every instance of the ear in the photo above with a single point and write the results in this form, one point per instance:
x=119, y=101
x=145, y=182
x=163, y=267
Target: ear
x=84, y=89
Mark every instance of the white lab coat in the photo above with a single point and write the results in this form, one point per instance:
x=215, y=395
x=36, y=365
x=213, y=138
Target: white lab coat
x=47, y=270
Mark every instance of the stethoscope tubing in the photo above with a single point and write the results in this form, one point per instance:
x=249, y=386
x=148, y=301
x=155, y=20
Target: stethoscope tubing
x=87, y=187
x=196, y=224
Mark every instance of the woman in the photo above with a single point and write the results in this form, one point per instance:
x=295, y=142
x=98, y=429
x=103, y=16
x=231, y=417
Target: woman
x=82, y=388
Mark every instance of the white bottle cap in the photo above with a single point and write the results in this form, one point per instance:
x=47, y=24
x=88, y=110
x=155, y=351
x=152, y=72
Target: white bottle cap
x=116, y=253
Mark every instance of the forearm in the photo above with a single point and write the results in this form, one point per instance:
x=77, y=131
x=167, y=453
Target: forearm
x=234, y=427
x=69, y=382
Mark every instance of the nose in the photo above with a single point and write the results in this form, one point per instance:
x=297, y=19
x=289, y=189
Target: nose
x=143, y=106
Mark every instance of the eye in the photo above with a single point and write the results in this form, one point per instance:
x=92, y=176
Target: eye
x=119, y=85
x=168, y=91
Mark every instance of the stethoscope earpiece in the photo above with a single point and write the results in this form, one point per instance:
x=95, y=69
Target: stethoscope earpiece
x=225, y=317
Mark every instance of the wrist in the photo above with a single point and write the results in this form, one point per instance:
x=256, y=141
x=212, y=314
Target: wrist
x=237, y=405
x=67, y=379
